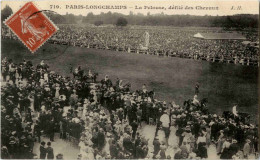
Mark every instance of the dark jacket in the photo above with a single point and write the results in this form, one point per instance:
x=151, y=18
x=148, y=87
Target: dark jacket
x=42, y=152
x=50, y=153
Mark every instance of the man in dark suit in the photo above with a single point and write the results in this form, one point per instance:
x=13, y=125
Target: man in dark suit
x=134, y=126
x=113, y=149
x=51, y=130
x=49, y=151
x=234, y=148
x=37, y=131
x=156, y=144
x=42, y=150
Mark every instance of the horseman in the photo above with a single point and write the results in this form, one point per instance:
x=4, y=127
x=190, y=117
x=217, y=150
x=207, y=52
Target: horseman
x=144, y=91
x=90, y=75
x=234, y=111
x=120, y=84
x=195, y=101
x=197, y=86
x=42, y=65
x=81, y=71
x=107, y=82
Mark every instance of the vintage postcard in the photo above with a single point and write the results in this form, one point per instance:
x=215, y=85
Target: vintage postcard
x=129, y=79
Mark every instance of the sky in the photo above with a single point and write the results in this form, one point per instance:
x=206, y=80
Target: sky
x=220, y=7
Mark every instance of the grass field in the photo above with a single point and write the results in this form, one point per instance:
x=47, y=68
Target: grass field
x=171, y=78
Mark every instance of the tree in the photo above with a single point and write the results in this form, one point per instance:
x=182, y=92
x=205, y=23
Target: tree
x=98, y=23
x=6, y=12
x=121, y=21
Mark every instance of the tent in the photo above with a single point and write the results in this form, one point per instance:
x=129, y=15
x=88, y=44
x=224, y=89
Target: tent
x=246, y=42
x=228, y=36
x=198, y=35
x=252, y=44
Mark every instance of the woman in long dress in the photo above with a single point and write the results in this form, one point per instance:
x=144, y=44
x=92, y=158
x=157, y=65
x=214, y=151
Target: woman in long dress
x=31, y=98
x=173, y=140
x=90, y=152
x=163, y=148
x=208, y=134
x=85, y=108
x=108, y=143
x=16, y=77
x=225, y=150
x=220, y=141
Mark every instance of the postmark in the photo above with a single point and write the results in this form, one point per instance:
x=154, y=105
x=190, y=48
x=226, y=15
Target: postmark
x=32, y=26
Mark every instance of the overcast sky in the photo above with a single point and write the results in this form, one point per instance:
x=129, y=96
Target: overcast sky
x=224, y=7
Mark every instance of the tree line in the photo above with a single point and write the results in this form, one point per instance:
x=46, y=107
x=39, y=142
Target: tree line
x=239, y=21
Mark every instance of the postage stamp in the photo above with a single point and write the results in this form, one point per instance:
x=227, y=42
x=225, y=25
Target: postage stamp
x=32, y=26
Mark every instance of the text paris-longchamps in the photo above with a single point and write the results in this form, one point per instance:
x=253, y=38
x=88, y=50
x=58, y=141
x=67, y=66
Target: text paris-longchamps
x=96, y=7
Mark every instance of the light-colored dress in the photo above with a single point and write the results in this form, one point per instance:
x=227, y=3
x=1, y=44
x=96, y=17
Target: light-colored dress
x=107, y=146
x=220, y=143
x=57, y=94
x=208, y=134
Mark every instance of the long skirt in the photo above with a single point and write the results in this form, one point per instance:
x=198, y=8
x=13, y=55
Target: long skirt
x=219, y=146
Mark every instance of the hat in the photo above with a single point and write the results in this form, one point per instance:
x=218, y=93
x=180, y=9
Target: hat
x=82, y=138
x=252, y=126
x=12, y=138
x=179, y=116
x=234, y=141
x=187, y=128
x=12, y=142
x=25, y=146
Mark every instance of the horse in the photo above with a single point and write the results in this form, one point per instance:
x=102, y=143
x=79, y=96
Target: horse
x=151, y=94
x=187, y=103
x=79, y=74
x=202, y=106
x=126, y=87
x=243, y=117
x=90, y=79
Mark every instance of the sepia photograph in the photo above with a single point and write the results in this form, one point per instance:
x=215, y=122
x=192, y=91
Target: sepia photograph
x=121, y=79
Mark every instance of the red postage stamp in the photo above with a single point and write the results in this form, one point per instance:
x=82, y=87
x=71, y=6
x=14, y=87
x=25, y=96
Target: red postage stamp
x=31, y=25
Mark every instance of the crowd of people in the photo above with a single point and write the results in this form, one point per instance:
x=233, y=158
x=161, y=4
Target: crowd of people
x=162, y=42
x=107, y=119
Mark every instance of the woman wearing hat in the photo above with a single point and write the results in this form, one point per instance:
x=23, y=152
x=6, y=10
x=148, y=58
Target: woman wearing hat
x=225, y=151
x=221, y=140
x=186, y=134
x=108, y=142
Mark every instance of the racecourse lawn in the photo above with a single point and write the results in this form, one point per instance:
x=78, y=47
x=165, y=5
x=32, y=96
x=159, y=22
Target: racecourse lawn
x=171, y=78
